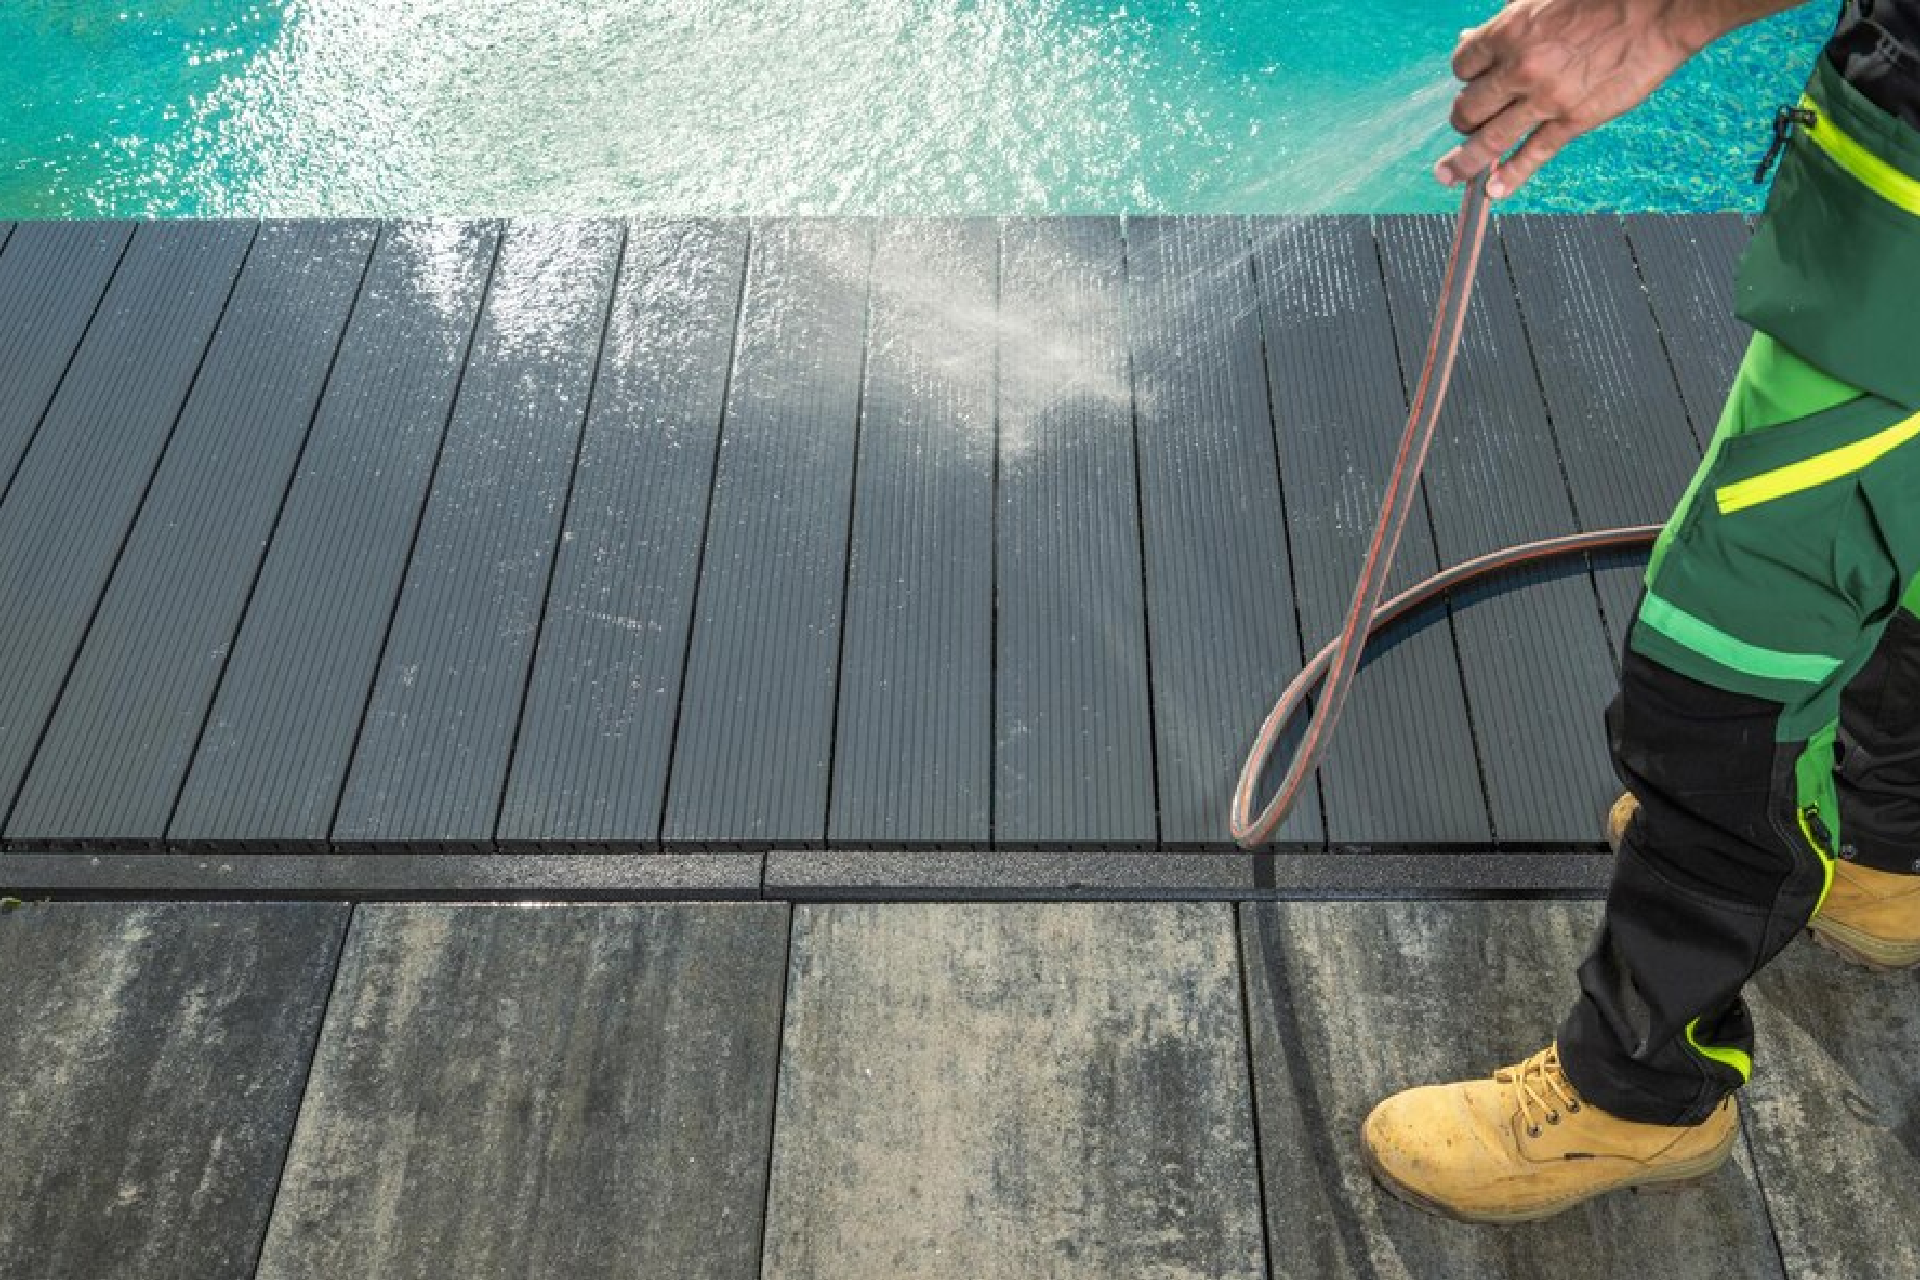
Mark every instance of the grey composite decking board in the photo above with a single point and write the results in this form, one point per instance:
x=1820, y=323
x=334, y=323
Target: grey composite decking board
x=1219, y=585
x=109, y=769
x=81, y=484
x=271, y=760
x=435, y=746
x=1833, y=1113
x=1338, y=1021
x=1537, y=662
x=1687, y=267
x=598, y=1080
x=1073, y=738
x=1624, y=436
x=997, y=1092
x=755, y=741
x=1402, y=768
x=913, y=746
x=591, y=765
x=154, y=1058
x=52, y=275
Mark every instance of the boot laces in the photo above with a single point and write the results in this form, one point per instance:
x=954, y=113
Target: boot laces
x=1545, y=1092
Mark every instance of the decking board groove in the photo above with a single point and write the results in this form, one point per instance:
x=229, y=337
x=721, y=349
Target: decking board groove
x=590, y=769
x=110, y=767
x=1687, y=268
x=1213, y=518
x=1623, y=432
x=1402, y=771
x=79, y=488
x=273, y=757
x=1536, y=660
x=434, y=749
x=750, y=762
x=52, y=278
x=912, y=756
x=1072, y=720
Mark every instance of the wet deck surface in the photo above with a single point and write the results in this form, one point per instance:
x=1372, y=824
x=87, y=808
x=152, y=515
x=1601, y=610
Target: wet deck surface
x=448, y=540
x=352, y=572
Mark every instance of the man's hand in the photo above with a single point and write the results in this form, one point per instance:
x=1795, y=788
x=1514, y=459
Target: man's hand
x=1550, y=70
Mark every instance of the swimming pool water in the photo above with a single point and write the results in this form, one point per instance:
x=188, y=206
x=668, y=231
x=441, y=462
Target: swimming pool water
x=390, y=107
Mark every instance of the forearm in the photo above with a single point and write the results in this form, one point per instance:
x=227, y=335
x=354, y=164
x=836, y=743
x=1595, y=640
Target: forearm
x=1698, y=23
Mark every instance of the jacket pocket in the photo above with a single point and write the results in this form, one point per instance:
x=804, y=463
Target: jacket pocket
x=1833, y=269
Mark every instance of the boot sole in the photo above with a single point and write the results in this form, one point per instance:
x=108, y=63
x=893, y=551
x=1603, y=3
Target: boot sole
x=1675, y=1178
x=1864, y=949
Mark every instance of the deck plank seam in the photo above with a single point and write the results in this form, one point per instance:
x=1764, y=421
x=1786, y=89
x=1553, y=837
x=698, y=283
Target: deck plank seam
x=779, y=1067
x=1282, y=1008
x=126, y=536
x=306, y=1084
x=1666, y=347
x=53, y=395
x=1433, y=534
x=559, y=536
x=706, y=528
x=413, y=542
x=846, y=555
x=1760, y=1184
x=1286, y=519
x=273, y=531
x=1244, y=991
x=1127, y=336
x=1559, y=455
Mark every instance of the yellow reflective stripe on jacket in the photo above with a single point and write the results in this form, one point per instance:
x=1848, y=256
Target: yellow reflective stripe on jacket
x=1889, y=183
x=1810, y=473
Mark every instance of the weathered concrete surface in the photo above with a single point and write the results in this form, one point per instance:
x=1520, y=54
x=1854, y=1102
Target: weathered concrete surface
x=1836, y=1097
x=1013, y=1091
x=539, y=1092
x=151, y=1062
x=1352, y=1001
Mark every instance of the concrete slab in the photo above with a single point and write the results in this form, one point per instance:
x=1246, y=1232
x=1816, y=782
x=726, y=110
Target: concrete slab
x=1836, y=1105
x=1013, y=1091
x=152, y=1058
x=1352, y=1001
x=539, y=1092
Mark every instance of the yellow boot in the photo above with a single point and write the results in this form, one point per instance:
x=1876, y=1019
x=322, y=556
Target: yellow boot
x=1522, y=1145
x=1871, y=917
x=1617, y=819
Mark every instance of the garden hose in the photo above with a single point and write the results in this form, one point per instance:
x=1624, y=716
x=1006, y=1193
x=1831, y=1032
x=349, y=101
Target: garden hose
x=1332, y=669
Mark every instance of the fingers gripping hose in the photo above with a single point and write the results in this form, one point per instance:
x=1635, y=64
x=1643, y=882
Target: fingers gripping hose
x=1332, y=669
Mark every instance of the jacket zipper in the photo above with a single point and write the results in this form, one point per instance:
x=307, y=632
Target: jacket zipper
x=1783, y=122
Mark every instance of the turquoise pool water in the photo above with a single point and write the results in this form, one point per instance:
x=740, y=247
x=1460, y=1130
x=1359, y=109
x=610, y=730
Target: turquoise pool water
x=231, y=107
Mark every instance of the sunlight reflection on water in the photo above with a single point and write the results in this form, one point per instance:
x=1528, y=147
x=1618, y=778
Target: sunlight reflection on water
x=805, y=106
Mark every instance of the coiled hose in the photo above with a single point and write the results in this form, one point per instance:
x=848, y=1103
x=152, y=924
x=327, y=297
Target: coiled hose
x=1333, y=668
